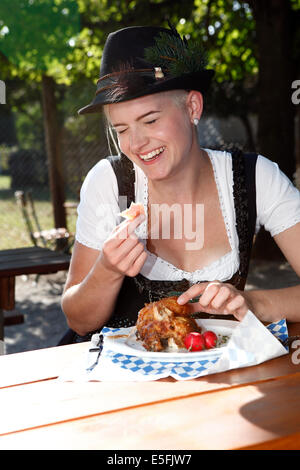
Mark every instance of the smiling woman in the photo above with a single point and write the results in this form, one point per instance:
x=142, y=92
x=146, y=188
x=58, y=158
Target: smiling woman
x=178, y=98
x=151, y=86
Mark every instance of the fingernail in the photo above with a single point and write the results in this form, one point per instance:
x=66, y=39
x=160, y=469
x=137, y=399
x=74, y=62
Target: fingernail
x=180, y=300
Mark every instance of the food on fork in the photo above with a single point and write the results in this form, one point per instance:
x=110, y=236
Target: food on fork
x=133, y=211
x=164, y=324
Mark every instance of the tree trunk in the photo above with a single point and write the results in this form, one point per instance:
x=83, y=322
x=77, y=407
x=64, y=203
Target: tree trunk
x=276, y=112
x=275, y=138
x=53, y=147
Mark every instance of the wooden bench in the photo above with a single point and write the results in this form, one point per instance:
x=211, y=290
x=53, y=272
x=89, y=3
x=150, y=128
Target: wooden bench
x=29, y=260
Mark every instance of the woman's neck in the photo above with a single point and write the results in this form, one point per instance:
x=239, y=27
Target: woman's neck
x=186, y=184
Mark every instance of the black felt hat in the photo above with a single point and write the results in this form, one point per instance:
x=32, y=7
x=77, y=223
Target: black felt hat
x=142, y=60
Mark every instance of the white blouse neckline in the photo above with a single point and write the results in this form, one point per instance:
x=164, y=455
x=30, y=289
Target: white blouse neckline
x=155, y=265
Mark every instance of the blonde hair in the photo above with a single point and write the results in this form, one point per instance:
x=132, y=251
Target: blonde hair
x=110, y=133
x=178, y=96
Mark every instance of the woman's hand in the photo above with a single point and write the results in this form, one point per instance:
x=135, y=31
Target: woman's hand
x=217, y=298
x=122, y=252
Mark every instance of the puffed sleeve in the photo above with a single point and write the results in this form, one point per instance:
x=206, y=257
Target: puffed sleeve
x=277, y=199
x=98, y=208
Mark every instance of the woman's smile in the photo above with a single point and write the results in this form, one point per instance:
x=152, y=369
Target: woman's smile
x=152, y=156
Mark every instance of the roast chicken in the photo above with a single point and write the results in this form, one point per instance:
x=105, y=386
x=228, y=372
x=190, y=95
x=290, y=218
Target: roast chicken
x=164, y=324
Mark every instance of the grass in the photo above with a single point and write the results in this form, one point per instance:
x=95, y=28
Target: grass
x=13, y=230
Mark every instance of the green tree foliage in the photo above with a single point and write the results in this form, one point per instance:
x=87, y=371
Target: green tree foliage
x=36, y=35
x=64, y=38
x=227, y=30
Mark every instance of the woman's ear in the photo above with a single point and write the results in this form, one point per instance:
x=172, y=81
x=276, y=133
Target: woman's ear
x=195, y=104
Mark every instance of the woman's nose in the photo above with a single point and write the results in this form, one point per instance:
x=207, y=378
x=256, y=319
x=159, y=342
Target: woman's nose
x=138, y=140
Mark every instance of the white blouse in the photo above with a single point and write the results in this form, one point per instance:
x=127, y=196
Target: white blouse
x=277, y=202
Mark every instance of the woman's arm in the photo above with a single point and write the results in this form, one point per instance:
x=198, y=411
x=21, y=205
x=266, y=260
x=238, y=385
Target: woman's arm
x=95, y=278
x=90, y=291
x=285, y=302
x=268, y=305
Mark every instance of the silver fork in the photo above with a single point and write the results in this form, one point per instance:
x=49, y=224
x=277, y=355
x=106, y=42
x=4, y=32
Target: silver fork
x=288, y=341
x=99, y=348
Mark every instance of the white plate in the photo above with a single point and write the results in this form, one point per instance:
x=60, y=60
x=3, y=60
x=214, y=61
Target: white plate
x=130, y=346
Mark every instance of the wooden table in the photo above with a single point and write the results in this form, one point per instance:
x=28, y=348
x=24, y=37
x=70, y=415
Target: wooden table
x=29, y=260
x=251, y=408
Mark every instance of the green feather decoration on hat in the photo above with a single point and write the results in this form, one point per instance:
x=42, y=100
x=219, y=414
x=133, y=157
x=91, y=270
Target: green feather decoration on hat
x=175, y=55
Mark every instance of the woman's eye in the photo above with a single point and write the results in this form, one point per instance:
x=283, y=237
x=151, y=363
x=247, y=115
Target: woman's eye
x=121, y=132
x=150, y=122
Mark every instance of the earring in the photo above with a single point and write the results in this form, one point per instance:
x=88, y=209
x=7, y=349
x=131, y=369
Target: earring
x=196, y=121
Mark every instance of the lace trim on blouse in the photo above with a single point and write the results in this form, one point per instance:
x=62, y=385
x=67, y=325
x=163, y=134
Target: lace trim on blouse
x=229, y=262
x=83, y=241
x=283, y=227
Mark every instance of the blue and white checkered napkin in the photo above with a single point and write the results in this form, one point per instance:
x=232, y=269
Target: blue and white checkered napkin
x=251, y=343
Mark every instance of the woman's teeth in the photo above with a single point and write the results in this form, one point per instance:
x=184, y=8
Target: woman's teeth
x=152, y=154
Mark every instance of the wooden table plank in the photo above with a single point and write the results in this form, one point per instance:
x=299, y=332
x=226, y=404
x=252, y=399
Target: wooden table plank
x=41, y=364
x=20, y=255
x=227, y=419
x=8, y=252
x=29, y=251
x=53, y=401
x=49, y=402
x=290, y=442
x=24, y=255
x=52, y=266
x=32, y=260
x=43, y=259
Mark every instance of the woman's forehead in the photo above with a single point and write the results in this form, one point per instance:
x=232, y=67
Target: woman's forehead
x=136, y=107
x=139, y=106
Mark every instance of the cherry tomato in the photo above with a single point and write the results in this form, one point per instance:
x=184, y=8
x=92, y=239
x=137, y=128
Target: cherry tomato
x=210, y=339
x=194, y=342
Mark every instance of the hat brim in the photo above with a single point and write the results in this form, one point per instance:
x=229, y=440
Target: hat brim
x=198, y=81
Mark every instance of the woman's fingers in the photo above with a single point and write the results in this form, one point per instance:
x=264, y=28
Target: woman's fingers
x=238, y=305
x=131, y=256
x=122, y=250
x=137, y=264
x=216, y=298
x=212, y=295
x=126, y=229
x=192, y=292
